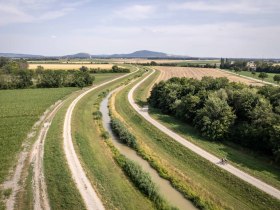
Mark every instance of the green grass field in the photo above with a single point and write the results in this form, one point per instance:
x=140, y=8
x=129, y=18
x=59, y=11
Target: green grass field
x=201, y=181
x=144, y=89
x=62, y=191
x=201, y=62
x=101, y=77
x=19, y=110
x=249, y=74
x=116, y=191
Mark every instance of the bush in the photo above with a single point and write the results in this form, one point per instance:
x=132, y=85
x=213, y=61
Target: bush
x=123, y=134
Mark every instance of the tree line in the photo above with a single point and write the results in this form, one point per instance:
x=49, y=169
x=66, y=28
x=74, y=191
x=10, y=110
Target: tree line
x=15, y=74
x=241, y=65
x=194, y=65
x=114, y=69
x=224, y=111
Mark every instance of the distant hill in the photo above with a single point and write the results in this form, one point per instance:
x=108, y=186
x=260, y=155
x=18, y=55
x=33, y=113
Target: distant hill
x=136, y=54
x=78, y=55
x=15, y=55
x=141, y=54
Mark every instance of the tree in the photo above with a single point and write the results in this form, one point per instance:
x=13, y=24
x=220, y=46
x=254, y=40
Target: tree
x=263, y=75
x=4, y=61
x=39, y=69
x=153, y=63
x=84, y=69
x=237, y=70
x=215, y=118
x=276, y=78
x=115, y=68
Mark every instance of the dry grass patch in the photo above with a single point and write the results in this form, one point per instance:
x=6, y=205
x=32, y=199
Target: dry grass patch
x=67, y=66
x=198, y=73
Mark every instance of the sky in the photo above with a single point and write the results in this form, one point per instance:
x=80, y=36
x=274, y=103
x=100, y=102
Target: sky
x=205, y=28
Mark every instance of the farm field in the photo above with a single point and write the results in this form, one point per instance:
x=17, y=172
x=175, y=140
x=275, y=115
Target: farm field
x=198, y=73
x=190, y=171
x=19, y=110
x=65, y=66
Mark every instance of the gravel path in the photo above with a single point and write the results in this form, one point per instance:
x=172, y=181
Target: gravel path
x=215, y=160
x=89, y=195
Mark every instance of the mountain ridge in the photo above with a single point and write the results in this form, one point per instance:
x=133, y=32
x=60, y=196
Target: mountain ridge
x=136, y=54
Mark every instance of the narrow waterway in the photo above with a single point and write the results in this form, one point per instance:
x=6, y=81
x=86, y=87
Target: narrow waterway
x=166, y=190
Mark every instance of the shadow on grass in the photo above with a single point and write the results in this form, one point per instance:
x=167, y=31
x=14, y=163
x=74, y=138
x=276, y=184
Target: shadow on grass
x=244, y=158
x=141, y=103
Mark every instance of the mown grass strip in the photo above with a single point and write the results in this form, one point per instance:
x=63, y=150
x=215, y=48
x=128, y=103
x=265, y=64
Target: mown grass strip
x=143, y=91
x=114, y=188
x=207, y=185
x=62, y=190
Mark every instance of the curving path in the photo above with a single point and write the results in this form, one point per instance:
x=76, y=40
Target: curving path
x=233, y=170
x=90, y=197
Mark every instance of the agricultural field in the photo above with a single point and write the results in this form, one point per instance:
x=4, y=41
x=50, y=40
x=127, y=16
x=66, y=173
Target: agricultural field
x=198, y=73
x=67, y=66
x=162, y=61
x=19, y=110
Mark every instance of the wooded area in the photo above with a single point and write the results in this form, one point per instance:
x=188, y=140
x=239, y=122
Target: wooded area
x=224, y=111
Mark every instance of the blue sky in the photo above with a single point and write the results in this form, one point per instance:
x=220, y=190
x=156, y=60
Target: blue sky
x=232, y=28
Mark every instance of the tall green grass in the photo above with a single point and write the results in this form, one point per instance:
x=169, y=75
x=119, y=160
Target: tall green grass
x=19, y=110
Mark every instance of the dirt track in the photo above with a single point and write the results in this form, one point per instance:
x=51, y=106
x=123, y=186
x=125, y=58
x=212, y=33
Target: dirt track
x=34, y=157
x=89, y=195
x=198, y=73
x=40, y=194
x=213, y=159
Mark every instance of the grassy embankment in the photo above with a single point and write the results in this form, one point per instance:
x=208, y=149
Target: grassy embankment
x=25, y=197
x=255, y=76
x=62, y=191
x=111, y=183
x=144, y=89
x=205, y=184
x=246, y=160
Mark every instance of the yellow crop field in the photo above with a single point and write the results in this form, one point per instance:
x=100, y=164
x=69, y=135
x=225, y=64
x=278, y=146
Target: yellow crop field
x=67, y=66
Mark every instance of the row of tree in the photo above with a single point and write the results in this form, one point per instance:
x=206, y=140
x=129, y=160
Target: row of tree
x=114, y=69
x=15, y=74
x=269, y=68
x=241, y=65
x=194, y=65
x=221, y=110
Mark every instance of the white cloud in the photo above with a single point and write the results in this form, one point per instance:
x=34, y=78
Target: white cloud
x=135, y=12
x=24, y=11
x=238, y=6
